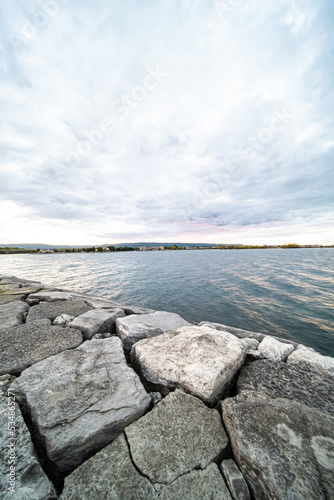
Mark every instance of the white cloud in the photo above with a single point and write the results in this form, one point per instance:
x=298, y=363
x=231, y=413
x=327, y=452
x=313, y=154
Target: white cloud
x=201, y=156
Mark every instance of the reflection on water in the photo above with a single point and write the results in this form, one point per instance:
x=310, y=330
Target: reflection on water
x=279, y=292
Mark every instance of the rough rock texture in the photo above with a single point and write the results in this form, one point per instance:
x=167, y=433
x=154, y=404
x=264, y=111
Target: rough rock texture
x=206, y=484
x=13, y=289
x=271, y=348
x=81, y=399
x=63, y=320
x=110, y=475
x=284, y=449
x=12, y=314
x=200, y=360
x=16, y=450
x=27, y=344
x=308, y=358
x=50, y=296
x=5, y=381
x=50, y=310
x=178, y=435
x=97, y=321
x=235, y=480
x=279, y=380
x=137, y=327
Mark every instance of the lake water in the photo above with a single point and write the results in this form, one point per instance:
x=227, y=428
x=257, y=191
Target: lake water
x=289, y=292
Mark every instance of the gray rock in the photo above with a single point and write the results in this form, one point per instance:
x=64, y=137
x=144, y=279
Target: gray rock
x=97, y=321
x=251, y=344
x=137, y=310
x=110, y=475
x=137, y=327
x=178, y=435
x=280, y=380
x=12, y=314
x=51, y=310
x=96, y=396
x=284, y=449
x=198, y=359
x=12, y=294
x=235, y=480
x=310, y=359
x=97, y=302
x=5, y=381
x=237, y=332
x=50, y=296
x=243, y=334
x=271, y=348
x=63, y=320
x=206, y=484
x=155, y=398
x=18, y=458
x=27, y=344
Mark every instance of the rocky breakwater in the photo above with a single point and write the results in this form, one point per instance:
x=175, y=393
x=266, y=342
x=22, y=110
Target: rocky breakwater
x=106, y=401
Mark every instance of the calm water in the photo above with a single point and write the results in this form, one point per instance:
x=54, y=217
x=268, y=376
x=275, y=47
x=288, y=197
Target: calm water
x=280, y=292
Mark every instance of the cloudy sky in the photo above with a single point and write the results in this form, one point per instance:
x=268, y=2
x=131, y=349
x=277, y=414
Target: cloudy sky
x=166, y=120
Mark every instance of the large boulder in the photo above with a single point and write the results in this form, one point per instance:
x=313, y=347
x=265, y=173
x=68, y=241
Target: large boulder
x=284, y=448
x=198, y=359
x=110, y=474
x=309, y=359
x=280, y=380
x=21, y=476
x=177, y=436
x=80, y=400
x=97, y=321
x=136, y=327
x=51, y=310
x=12, y=314
x=29, y=343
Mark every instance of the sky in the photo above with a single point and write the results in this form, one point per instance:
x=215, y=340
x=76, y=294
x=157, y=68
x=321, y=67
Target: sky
x=166, y=120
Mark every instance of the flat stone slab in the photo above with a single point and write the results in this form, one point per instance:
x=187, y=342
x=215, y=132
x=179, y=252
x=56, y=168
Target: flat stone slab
x=109, y=474
x=271, y=348
x=235, y=480
x=50, y=296
x=136, y=327
x=198, y=359
x=206, y=484
x=18, y=458
x=12, y=314
x=284, y=449
x=96, y=393
x=51, y=310
x=32, y=342
x=97, y=321
x=96, y=302
x=308, y=358
x=280, y=380
x=178, y=435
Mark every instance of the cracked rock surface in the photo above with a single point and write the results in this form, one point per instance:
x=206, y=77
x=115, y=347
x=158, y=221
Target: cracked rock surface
x=178, y=435
x=81, y=399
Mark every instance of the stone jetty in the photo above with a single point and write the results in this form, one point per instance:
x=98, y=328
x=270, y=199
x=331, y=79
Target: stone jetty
x=101, y=400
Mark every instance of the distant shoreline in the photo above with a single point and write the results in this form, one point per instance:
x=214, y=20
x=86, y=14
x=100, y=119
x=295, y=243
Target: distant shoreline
x=111, y=249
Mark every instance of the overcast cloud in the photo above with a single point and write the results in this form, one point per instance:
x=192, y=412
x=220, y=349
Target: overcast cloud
x=166, y=120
